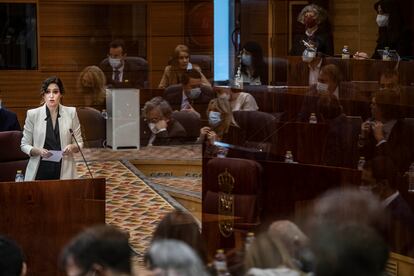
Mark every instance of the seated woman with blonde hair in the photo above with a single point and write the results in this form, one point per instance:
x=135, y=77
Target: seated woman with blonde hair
x=179, y=63
x=91, y=83
x=220, y=117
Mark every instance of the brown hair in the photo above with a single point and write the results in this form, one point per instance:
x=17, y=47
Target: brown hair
x=159, y=102
x=190, y=74
x=267, y=252
x=95, y=82
x=181, y=226
x=176, y=53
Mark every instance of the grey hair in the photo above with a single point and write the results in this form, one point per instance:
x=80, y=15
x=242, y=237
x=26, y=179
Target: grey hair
x=321, y=14
x=164, y=106
x=175, y=258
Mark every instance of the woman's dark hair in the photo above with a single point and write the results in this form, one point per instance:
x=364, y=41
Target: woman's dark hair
x=258, y=64
x=102, y=245
x=181, y=226
x=396, y=30
x=50, y=80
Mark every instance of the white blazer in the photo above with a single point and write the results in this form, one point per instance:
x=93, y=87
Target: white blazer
x=34, y=135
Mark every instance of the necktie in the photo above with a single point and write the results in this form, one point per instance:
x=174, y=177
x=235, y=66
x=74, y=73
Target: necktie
x=117, y=75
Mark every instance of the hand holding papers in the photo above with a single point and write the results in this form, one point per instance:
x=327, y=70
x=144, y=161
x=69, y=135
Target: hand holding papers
x=53, y=156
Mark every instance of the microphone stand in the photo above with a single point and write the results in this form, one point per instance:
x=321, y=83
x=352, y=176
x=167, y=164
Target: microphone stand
x=80, y=150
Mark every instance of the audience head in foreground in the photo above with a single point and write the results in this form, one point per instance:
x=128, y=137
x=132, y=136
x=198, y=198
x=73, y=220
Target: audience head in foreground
x=12, y=260
x=100, y=250
x=267, y=255
x=348, y=232
x=181, y=226
x=173, y=257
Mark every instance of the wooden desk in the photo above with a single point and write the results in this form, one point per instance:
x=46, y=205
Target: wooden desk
x=351, y=69
x=42, y=216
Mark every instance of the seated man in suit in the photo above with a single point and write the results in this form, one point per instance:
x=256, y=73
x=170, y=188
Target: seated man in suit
x=119, y=72
x=162, y=128
x=387, y=132
x=328, y=83
x=183, y=96
x=380, y=176
x=8, y=119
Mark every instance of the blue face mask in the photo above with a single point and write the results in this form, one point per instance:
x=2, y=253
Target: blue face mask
x=214, y=118
x=194, y=93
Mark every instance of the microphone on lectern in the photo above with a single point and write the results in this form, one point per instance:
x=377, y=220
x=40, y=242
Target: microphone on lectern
x=80, y=150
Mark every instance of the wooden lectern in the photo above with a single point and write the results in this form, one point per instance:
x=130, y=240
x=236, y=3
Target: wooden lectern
x=42, y=216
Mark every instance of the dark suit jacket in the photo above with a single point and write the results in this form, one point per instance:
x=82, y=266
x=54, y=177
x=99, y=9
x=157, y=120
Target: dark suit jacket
x=175, y=134
x=401, y=227
x=322, y=37
x=174, y=96
x=340, y=149
x=399, y=146
x=134, y=75
x=8, y=120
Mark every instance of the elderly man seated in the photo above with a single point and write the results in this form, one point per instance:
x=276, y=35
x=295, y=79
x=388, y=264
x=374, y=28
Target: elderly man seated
x=159, y=124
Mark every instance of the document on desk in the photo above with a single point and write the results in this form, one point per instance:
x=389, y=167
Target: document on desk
x=54, y=156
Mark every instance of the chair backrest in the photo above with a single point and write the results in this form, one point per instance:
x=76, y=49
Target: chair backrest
x=254, y=125
x=11, y=157
x=93, y=127
x=238, y=177
x=191, y=123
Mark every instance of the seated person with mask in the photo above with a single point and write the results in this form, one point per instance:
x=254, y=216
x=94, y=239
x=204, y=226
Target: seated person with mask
x=183, y=96
x=119, y=72
x=160, y=126
x=220, y=118
x=8, y=119
x=328, y=83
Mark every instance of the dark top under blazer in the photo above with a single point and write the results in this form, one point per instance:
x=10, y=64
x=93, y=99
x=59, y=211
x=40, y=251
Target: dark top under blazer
x=133, y=75
x=322, y=37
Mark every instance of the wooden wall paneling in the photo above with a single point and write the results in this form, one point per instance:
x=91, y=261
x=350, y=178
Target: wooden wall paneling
x=354, y=25
x=368, y=26
x=165, y=31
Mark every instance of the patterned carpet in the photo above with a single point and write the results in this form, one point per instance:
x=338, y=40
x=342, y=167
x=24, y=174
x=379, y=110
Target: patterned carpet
x=191, y=184
x=131, y=204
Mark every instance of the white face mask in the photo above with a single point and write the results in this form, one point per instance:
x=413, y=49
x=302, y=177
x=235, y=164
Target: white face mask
x=153, y=128
x=189, y=66
x=115, y=62
x=321, y=87
x=382, y=20
x=246, y=60
x=307, y=59
x=214, y=118
x=224, y=96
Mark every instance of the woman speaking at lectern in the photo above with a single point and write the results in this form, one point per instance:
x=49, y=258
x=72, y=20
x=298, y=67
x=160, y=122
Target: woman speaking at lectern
x=49, y=132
